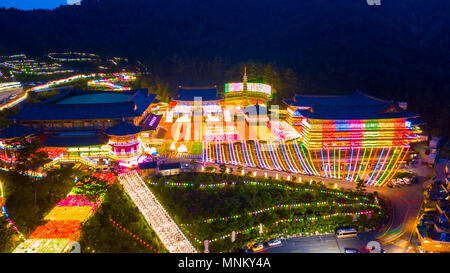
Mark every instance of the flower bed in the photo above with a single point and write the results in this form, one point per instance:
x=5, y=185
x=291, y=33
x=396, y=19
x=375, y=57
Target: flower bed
x=75, y=201
x=43, y=246
x=69, y=213
x=57, y=230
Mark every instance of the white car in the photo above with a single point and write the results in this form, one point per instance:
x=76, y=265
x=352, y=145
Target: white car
x=274, y=242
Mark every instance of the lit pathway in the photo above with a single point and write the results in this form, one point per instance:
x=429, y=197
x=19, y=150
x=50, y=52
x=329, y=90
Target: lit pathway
x=166, y=229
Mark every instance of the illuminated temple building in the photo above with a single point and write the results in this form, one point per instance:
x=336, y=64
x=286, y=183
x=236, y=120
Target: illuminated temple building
x=201, y=114
x=190, y=110
x=90, y=127
x=352, y=137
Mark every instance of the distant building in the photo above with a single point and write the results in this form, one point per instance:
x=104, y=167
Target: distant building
x=87, y=126
x=169, y=168
x=148, y=168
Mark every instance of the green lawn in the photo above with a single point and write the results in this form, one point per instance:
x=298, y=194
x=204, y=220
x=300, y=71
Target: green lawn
x=283, y=208
x=101, y=235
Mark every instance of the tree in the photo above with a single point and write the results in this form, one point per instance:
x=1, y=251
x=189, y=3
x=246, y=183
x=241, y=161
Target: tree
x=222, y=168
x=8, y=236
x=361, y=187
x=28, y=155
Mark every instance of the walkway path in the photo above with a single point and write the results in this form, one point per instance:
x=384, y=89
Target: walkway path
x=166, y=229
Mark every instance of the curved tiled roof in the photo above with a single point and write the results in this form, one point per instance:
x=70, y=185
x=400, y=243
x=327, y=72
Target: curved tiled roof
x=355, y=106
x=123, y=129
x=189, y=93
x=74, y=141
x=36, y=111
x=356, y=98
x=16, y=130
x=332, y=112
x=88, y=104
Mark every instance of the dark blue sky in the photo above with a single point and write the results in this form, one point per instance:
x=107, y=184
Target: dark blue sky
x=33, y=4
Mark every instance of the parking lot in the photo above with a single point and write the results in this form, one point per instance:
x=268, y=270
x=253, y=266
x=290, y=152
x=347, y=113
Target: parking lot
x=320, y=244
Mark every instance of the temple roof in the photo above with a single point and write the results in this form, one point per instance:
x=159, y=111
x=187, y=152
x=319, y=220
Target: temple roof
x=329, y=112
x=356, y=98
x=123, y=129
x=147, y=165
x=169, y=166
x=189, y=93
x=74, y=141
x=86, y=104
x=355, y=106
x=16, y=130
x=36, y=111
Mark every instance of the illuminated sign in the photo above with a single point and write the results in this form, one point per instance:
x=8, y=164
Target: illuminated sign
x=251, y=87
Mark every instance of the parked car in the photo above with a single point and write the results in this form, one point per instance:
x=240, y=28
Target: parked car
x=395, y=182
x=351, y=250
x=258, y=247
x=274, y=242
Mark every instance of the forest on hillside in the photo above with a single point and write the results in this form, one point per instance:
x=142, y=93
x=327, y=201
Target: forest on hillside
x=398, y=50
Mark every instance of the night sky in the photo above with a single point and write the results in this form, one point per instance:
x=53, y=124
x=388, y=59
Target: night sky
x=33, y=4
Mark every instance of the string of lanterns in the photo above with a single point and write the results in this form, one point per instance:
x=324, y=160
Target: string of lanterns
x=33, y=67
x=3, y=211
x=286, y=220
x=84, y=57
x=256, y=183
x=286, y=206
x=120, y=227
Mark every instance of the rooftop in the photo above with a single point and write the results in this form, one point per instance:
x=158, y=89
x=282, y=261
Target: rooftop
x=123, y=129
x=189, y=93
x=73, y=141
x=85, y=104
x=148, y=165
x=356, y=98
x=169, y=166
x=16, y=130
x=355, y=106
